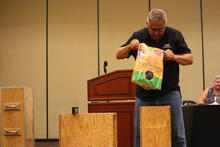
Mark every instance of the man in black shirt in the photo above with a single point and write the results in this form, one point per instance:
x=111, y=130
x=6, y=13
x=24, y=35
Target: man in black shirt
x=176, y=52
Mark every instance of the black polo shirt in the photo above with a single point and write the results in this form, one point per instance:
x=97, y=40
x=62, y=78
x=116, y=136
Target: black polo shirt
x=172, y=39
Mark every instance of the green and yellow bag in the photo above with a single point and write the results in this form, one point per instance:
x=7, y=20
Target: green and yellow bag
x=148, y=69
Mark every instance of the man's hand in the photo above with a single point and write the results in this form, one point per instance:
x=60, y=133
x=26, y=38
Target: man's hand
x=169, y=55
x=134, y=44
x=123, y=52
x=183, y=59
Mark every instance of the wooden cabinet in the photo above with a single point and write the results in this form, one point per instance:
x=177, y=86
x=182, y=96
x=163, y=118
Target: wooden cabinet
x=114, y=92
x=17, y=117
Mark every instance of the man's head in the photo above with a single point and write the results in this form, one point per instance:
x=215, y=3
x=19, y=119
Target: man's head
x=156, y=23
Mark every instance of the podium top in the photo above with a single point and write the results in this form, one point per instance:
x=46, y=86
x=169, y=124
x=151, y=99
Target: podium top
x=115, y=85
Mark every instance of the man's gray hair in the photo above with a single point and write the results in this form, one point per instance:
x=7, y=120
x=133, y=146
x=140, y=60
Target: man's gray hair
x=217, y=77
x=157, y=15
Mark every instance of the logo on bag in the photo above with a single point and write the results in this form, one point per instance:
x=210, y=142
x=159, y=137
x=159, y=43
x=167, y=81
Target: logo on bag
x=149, y=75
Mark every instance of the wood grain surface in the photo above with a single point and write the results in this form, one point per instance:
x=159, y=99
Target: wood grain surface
x=20, y=120
x=155, y=126
x=88, y=130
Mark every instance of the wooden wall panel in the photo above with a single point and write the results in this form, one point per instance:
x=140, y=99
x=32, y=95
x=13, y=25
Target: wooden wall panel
x=22, y=52
x=211, y=25
x=184, y=15
x=72, y=56
x=118, y=20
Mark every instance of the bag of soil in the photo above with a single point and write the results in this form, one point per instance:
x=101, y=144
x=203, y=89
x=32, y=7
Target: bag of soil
x=148, y=69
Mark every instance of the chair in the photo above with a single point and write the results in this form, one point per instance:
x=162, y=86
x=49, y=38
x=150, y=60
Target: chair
x=188, y=102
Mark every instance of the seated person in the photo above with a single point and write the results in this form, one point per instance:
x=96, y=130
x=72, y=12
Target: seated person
x=208, y=95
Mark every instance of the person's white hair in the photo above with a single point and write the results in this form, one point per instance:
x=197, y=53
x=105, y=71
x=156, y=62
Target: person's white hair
x=217, y=77
x=157, y=15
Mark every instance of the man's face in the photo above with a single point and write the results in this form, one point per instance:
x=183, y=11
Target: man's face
x=156, y=29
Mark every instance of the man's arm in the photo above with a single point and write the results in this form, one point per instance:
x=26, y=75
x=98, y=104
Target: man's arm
x=182, y=59
x=124, y=51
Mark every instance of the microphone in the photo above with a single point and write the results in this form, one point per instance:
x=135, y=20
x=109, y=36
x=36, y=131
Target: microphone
x=105, y=65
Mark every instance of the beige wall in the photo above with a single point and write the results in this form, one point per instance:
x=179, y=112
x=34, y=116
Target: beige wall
x=211, y=40
x=22, y=52
x=73, y=57
x=73, y=47
x=185, y=16
x=117, y=23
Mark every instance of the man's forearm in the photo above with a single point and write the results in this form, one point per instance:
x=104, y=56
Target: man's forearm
x=123, y=52
x=184, y=59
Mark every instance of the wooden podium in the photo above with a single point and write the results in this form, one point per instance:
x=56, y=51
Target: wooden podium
x=114, y=92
